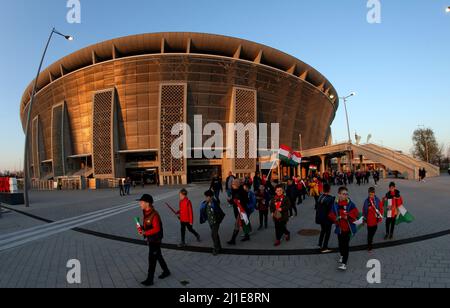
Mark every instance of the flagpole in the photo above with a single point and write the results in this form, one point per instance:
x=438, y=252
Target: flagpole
x=273, y=164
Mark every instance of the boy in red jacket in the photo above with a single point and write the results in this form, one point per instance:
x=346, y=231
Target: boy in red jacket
x=392, y=202
x=373, y=215
x=186, y=217
x=344, y=214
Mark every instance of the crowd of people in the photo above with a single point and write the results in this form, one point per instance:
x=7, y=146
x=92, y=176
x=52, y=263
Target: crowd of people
x=279, y=201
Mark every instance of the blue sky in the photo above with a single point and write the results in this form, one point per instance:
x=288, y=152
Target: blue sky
x=399, y=68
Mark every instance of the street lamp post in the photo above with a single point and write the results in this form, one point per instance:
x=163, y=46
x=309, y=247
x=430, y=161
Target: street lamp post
x=30, y=107
x=345, y=99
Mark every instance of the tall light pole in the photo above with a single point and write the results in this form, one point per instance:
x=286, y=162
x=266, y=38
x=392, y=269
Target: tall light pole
x=26, y=168
x=345, y=99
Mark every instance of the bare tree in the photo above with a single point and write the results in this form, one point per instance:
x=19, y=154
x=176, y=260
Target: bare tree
x=426, y=146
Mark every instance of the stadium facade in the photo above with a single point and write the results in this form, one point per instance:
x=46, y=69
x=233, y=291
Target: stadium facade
x=106, y=111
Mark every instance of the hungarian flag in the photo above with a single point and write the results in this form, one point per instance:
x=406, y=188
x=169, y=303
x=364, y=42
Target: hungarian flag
x=245, y=222
x=359, y=223
x=296, y=158
x=285, y=153
x=404, y=216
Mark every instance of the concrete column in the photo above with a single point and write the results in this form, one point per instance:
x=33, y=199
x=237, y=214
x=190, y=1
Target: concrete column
x=339, y=161
x=349, y=162
x=322, y=164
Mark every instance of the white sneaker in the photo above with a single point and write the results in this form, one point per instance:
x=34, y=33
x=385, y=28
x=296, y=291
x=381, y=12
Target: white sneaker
x=343, y=267
x=341, y=259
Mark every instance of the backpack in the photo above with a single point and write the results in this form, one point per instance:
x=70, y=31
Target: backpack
x=251, y=201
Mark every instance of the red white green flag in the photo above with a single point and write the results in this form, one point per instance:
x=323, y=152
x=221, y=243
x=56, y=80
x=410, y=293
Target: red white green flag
x=404, y=216
x=245, y=221
x=296, y=158
x=285, y=153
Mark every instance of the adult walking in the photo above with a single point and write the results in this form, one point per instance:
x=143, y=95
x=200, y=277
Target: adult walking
x=257, y=181
x=127, y=186
x=376, y=177
x=263, y=199
x=292, y=194
x=239, y=201
x=229, y=183
x=323, y=209
x=279, y=207
x=121, y=187
x=314, y=189
x=211, y=212
x=216, y=186
x=152, y=230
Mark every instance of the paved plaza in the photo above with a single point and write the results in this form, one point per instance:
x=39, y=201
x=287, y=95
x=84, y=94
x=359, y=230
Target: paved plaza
x=96, y=227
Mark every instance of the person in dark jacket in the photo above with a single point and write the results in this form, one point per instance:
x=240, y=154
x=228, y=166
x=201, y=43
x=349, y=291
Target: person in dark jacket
x=211, y=212
x=279, y=207
x=366, y=177
x=216, y=186
x=292, y=194
x=152, y=230
x=121, y=187
x=127, y=186
x=323, y=209
x=376, y=177
x=263, y=201
x=228, y=183
x=239, y=201
x=257, y=182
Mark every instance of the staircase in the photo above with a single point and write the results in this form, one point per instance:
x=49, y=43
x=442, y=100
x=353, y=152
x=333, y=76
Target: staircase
x=431, y=169
x=391, y=159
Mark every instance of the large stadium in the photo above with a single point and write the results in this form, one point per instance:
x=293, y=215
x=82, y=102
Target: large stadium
x=106, y=111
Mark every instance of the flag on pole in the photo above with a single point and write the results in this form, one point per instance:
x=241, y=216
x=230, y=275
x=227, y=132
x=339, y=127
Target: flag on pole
x=269, y=162
x=404, y=216
x=245, y=221
x=312, y=167
x=285, y=153
x=296, y=158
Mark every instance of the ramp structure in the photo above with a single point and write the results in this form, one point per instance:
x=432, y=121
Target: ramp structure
x=393, y=160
